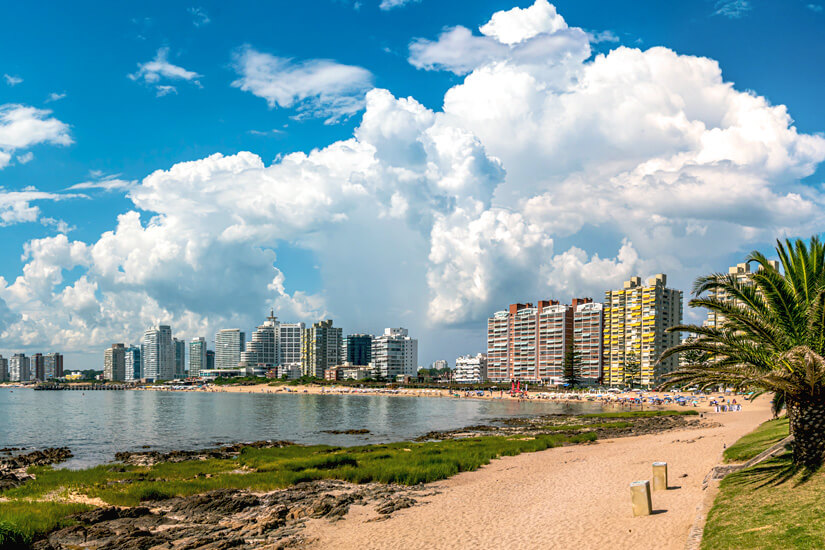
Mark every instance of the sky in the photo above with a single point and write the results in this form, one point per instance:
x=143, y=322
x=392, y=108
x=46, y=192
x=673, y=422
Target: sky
x=389, y=162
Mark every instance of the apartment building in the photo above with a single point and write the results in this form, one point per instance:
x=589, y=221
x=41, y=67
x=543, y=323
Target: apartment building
x=742, y=273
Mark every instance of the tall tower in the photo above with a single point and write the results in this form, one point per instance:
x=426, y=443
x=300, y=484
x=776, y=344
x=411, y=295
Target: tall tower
x=158, y=353
x=321, y=348
x=228, y=345
x=197, y=356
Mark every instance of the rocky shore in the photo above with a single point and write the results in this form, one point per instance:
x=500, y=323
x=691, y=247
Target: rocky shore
x=13, y=467
x=150, y=458
x=225, y=519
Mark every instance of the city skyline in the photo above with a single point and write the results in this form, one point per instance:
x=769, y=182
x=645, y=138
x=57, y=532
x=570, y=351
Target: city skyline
x=477, y=152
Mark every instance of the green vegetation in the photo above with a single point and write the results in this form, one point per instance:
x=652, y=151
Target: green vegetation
x=638, y=414
x=772, y=338
x=21, y=522
x=761, y=439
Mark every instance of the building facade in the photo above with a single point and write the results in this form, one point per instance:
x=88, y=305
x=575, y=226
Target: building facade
x=588, y=326
x=132, y=363
x=394, y=353
x=321, y=348
x=358, y=349
x=4, y=369
x=19, y=368
x=263, y=350
x=440, y=364
x=470, y=369
x=740, y=272
x=52, y=366
x=636, y=318
x=197, y=356
x=289, y=343
x=229, y=343
x=38, y=370
x=114, y=363
x=210, y=359
x=158, y=354
x=180, y=358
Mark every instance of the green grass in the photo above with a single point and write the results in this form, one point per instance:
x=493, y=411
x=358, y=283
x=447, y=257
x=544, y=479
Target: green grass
x=768, y=506
x=639, y=414
x=21, y=522
x=762, y=438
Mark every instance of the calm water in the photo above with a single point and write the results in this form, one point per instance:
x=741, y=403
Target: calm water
x=96, y=424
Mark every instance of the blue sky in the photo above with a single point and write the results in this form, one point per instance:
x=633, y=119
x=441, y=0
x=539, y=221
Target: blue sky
x=83, y=63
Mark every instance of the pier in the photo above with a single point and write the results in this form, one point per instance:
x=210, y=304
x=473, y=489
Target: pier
x=82, y=387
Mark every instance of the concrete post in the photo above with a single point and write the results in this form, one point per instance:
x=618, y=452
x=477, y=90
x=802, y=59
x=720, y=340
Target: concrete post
x=660, y=476
x=640, y=498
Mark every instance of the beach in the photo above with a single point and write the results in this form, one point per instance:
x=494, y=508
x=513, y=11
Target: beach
x=567, y=497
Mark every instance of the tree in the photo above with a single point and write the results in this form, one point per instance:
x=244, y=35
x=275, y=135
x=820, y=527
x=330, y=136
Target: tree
x=572, y=367
x=771, y=339
x=632, y=369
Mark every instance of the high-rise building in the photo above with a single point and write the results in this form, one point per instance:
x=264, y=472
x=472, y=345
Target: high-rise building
x=394, y=353
x=289, y=343
x=4, y=369
x=528, y=342
x=588, y=325
x=197, y=356
x=158, y=354
x=19, y=368
x=357, y=349
x=321, y=348
x=52, y=366
x=210, y=359
x=440, y=364
x=635, y=322
x=180, y=358
x=470, y=369
x=263, y=349
x=742, y=273
x=228, y=345
x=38, y=371
x=114, y=363
x=133, y=364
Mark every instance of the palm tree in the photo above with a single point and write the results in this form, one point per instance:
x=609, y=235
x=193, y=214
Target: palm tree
x=772, y=339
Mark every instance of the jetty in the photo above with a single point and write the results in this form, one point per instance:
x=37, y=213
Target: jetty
x=82, y=387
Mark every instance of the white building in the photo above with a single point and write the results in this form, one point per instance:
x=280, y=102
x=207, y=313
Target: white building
x=470, y=369
x=229, y=343
x=197, y=356
x=158, y=353
x=289, y=343
x=263, y=350
x=394, y=353
x=114, y=363
x=133, y=363
x=19, y=368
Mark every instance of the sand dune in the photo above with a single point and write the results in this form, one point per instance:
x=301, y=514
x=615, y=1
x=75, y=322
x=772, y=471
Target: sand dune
x=573, y=497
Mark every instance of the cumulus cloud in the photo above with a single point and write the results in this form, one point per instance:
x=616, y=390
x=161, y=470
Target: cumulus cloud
x=161, y=70
x=541, y=176
x=22, y=127
x=18, y=206
x=316, y=87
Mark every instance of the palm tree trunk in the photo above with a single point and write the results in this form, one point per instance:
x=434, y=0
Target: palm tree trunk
x=807, y=425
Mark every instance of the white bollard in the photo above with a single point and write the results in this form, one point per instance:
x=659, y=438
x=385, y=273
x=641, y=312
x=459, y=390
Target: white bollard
x=660, y=476
x=640, y=498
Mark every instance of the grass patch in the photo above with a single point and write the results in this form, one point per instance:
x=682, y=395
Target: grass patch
x=761, y=439
x=639, y=414
x=771, y=505
x=21, y=522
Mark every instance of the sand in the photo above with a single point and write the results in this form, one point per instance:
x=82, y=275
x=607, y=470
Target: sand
x=569, y=497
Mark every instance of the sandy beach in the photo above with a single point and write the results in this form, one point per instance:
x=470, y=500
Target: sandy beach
x=569, y=497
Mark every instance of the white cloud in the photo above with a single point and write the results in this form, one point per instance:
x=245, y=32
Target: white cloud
x=732, y=9
x=541, y=177
x=816, y=8
x=25, y=158
x=54, y=96
x=17, y=206
x=315, y=87
x=111, y=182
x=199, y=16
x=517, y=25
x=387, y=5
x=12, y=80
x=22, y=127
x=160, y=69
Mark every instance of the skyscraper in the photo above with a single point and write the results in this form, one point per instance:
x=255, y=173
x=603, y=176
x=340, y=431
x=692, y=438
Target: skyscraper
x=210, y=359
x=321, y=348
x=52, y=366
x=358, y=349
x=158, y=353
x=19, y=368
x=264, y=348
x=228, y=345
x=37, y=367
x=4, y=369
x=588, y=325
x=470, y=369
x=133, y=364
x=635, y=322
x=742, y=273
x=395, y=353
x=289, y=343
x=180, y=358
x=114, y=363
x=197, y=356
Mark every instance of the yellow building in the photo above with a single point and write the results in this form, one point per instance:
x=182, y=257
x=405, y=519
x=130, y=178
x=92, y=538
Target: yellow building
x=635, y=322
x=742, y=272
